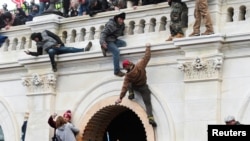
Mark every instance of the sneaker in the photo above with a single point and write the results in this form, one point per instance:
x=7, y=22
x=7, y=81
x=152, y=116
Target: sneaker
x=207, y=33
x=152, y=121
x=104, y=51
x=89, y=45
x=120, y=74
x=194, y=34
x=54, y=67
x=131, y=95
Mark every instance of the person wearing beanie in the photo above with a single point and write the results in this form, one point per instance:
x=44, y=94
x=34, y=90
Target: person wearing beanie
x=65, y=131
x=53, y=45
x=136, y=79
x=67, y=118
x=109, y=40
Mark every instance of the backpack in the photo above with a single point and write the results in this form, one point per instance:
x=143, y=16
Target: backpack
x=54, y=36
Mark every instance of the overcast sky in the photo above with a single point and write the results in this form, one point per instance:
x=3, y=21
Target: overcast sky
x=12, y=5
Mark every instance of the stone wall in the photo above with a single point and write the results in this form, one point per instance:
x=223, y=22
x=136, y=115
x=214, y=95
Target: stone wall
x=195, y=81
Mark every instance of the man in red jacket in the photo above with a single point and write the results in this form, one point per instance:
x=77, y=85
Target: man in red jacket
x=136, y=79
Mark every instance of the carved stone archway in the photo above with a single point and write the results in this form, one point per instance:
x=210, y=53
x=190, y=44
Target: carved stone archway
x=100, y=115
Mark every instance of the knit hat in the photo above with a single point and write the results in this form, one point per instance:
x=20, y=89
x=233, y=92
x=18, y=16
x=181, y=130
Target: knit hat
x=229, y=118
x=121, y=15
x=67, y=114
x=36, y=35
x=125, y=63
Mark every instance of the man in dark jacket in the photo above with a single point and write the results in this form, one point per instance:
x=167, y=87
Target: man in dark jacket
x=52, y=44
x=136, y=79
x=178, y=18
x=109, y=40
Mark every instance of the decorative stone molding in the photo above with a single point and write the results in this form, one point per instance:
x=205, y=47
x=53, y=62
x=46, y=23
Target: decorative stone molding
x=200, y=69
x=40, y=83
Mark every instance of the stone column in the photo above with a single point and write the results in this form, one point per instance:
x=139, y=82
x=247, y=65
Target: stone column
x=202, y=68
x=41, y=103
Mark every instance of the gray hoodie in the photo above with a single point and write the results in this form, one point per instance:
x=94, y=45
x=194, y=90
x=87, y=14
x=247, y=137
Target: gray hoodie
x=66, y=132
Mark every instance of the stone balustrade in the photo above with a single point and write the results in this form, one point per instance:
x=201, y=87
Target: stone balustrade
x=149, y=22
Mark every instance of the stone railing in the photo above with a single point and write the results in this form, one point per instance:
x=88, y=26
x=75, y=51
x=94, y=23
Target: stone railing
x=148, y=23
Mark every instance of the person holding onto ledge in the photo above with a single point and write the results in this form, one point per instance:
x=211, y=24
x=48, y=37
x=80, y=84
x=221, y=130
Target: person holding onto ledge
x=136, y=79
x=230, y=120
x=201, y=12
x=53, y=45
x=109, y=40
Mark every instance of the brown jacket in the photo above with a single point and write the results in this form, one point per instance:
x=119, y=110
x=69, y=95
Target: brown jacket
x=137, y=76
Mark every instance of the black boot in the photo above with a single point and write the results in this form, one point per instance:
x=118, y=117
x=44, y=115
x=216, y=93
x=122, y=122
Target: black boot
x=54, y=67
x=104, y=51
x=89, y=45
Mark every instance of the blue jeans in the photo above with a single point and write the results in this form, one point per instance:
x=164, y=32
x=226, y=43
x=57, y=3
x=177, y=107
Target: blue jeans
x=113, y=47
x=61, y=50
x=43, y=6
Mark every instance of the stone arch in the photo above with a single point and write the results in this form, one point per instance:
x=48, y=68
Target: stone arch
x=8, y=122
x=96, y=99
x=102, y=113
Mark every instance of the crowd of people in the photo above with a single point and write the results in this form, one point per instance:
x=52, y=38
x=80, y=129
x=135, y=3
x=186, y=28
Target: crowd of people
x=69, y=8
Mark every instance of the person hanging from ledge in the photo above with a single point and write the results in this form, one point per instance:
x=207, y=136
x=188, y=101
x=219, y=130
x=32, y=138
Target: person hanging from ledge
x=136, y=79
x=109, y=40
x=201, y=12
x=53, y=45
x=178, y=18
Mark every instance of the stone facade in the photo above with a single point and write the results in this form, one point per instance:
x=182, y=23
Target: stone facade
x=195, y=81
